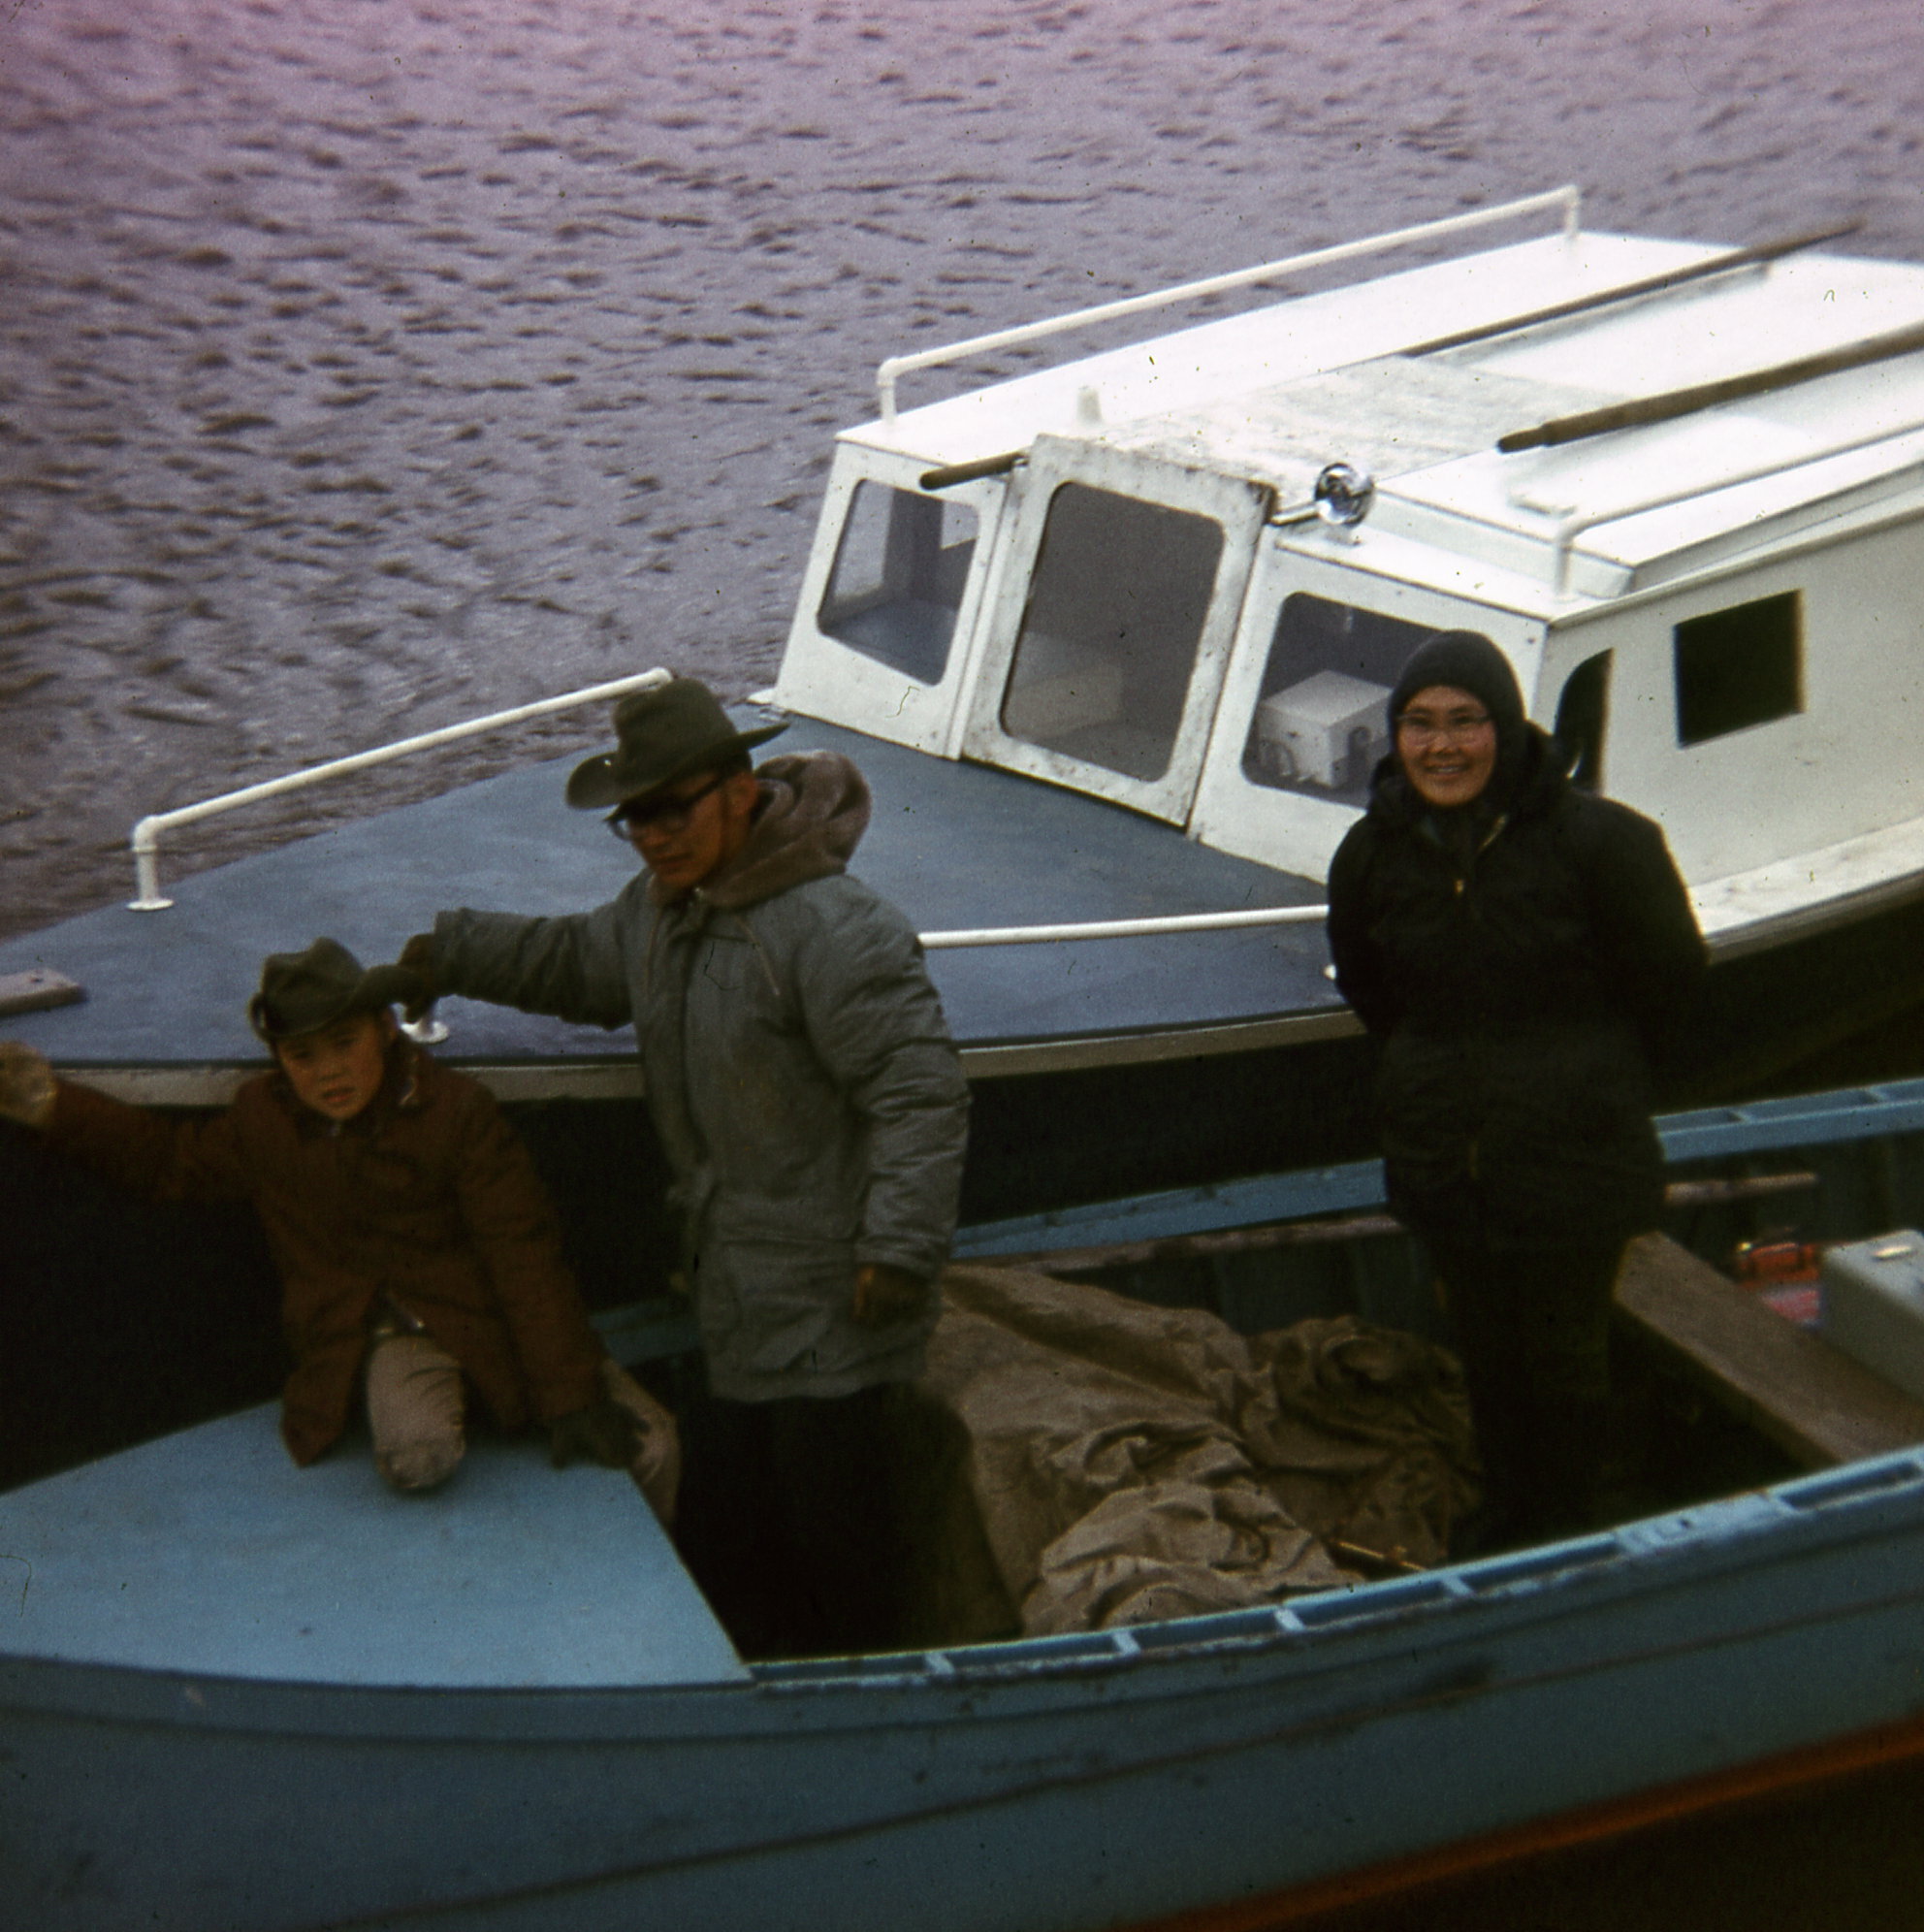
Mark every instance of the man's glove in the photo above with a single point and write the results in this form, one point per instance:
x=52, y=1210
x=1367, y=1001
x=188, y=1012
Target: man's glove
x=418, y=957
x=603, y=1432
x=26, y=1086
x=886, y=1295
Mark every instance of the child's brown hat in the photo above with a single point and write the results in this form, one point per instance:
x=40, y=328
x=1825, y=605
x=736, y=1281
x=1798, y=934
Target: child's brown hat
x=303, y=991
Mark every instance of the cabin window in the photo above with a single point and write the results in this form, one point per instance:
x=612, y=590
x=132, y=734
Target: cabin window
x=1739, y=668
x=1113, y=626
x=1323, y=721
x=898, y=577
x=1583, y=715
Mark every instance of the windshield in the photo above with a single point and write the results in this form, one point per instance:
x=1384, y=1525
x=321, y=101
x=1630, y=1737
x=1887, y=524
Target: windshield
x=897, y=583
x=1111, y=634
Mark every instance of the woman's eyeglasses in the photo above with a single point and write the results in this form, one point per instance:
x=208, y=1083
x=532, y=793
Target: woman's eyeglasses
x=661, y=815
x=1458, y=727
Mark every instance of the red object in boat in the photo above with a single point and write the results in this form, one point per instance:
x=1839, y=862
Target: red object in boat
x=1784, y=1274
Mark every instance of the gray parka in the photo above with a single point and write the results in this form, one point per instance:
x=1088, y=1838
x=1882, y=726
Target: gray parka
x=798, y=1068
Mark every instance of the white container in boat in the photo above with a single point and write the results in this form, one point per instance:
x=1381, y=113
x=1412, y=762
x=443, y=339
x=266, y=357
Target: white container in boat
x=1329, y=730
x=1872, y=1297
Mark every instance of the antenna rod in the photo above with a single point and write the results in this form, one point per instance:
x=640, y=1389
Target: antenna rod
x=1675, y=402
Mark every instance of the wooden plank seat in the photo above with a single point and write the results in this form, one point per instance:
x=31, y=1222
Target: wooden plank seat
x=1814, y=1403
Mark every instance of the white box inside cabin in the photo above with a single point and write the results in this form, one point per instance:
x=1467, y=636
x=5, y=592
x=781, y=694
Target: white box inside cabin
x=1873, y=1298
x=1311, y=730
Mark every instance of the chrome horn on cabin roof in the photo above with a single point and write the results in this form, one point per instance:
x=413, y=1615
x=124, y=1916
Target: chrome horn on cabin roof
x=1343, y=494
x=1340, y=497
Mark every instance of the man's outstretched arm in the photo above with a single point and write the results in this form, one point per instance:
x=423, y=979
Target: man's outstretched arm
x=573, y=967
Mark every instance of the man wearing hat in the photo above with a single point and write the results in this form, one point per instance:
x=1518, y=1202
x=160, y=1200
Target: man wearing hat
x=809, y=1098
x=418, y=1251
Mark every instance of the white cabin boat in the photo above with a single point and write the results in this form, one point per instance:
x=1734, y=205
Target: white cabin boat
x=1679, y=485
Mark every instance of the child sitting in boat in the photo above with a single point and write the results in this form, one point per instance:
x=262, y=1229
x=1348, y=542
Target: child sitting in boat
x=419, y=1254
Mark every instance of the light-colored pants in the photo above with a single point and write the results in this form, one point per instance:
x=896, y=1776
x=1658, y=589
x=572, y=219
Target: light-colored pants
x=416, y=1412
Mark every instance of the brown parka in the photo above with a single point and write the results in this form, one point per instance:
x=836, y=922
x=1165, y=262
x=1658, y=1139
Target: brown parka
x=426, y=1199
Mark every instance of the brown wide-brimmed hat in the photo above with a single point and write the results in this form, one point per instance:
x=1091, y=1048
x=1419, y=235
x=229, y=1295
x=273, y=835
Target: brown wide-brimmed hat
x=663, y=733
x=303, y=991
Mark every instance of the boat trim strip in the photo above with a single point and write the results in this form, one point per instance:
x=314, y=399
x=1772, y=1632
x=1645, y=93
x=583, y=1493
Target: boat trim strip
x=617, y=1075
x=1710, y=1133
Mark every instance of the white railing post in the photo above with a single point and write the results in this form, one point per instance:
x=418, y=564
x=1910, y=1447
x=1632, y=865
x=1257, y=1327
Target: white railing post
x=1566, y=201
x=145, y=840
x=147, y=868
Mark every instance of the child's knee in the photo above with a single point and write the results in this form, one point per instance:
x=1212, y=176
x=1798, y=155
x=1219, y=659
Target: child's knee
x=415, y=1411
x=424, y=1464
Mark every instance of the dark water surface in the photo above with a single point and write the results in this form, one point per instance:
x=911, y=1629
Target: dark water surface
x=367, y=365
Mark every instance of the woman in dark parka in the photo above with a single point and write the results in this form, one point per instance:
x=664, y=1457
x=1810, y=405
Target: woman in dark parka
x=1520, y=948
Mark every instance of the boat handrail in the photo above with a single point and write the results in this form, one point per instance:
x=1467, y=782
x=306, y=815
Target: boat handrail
x=1147, y=928
x=1567, y=199
x=1571, y=525
x=146, y=841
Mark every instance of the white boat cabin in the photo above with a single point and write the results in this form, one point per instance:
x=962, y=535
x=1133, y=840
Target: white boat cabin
x=1113, y=574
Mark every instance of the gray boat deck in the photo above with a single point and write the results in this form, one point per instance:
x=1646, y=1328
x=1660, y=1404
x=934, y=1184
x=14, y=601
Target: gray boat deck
x=956, y=846
x=210, y=1551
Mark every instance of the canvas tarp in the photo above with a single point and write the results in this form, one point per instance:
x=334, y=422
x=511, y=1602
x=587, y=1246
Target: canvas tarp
x=1126, y=1461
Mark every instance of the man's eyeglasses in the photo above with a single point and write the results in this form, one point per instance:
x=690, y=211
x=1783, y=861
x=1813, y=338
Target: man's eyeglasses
x=660, y=815
x=1458, y=727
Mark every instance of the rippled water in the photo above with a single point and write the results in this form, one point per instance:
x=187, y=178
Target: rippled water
x=366, y=365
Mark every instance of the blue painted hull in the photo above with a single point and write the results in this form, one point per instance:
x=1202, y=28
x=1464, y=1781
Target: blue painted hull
x=1055, y=1786
x=1044, y=1786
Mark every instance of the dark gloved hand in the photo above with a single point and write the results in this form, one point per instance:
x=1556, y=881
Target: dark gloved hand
x=418, y=957
x=885, y=1294
x=603, y=1432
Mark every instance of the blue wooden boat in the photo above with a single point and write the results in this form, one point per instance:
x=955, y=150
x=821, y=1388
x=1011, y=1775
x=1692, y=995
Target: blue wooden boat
x=230, y=1697
x=238, y=1695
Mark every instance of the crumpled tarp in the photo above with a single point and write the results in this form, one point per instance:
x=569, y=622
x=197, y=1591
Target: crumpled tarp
x=1129, y=1462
